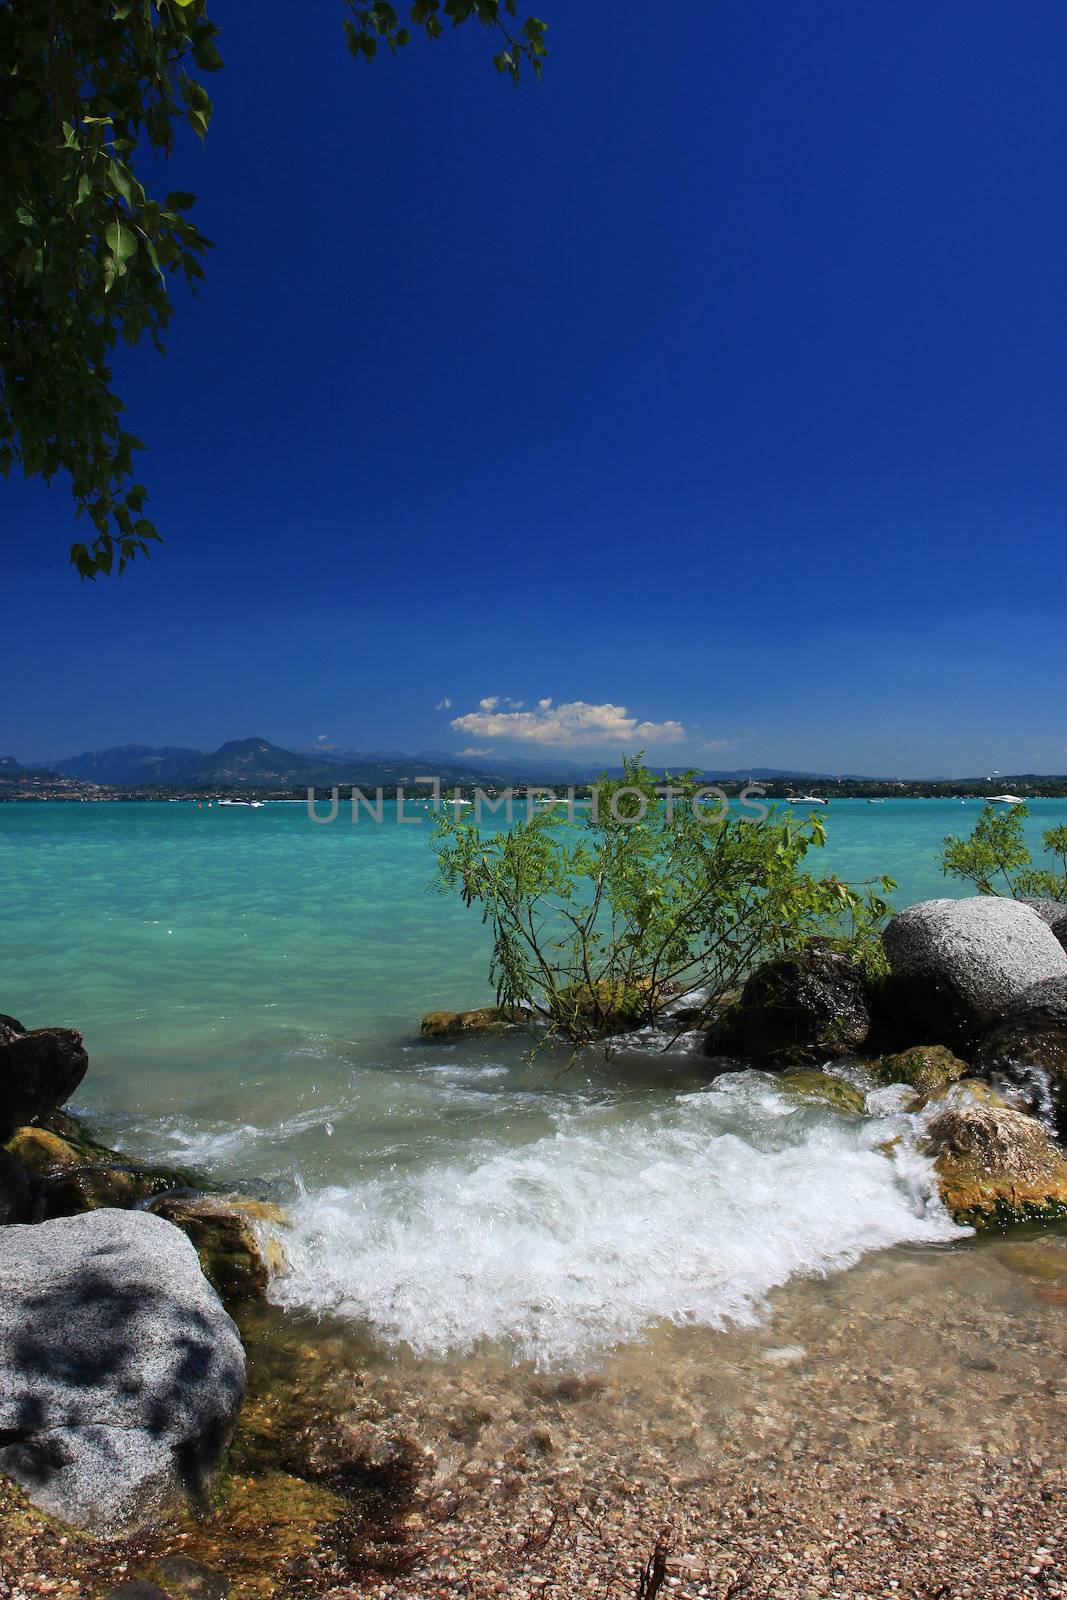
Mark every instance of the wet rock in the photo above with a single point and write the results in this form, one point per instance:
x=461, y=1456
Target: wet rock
x=822, y=1088
x=231, y=1237
x=10, y=1027
x=120, y=1373
x=14, y=1190
x=39, y=1071
x=89, y=1188
x=995, y=1165
x=486, y=1019
x=1028, y=1048
x=925, y=1067
x=610, y=1005
x=797, y=1010
x=956, y=965
x=72, y=1173
x=43, y=1152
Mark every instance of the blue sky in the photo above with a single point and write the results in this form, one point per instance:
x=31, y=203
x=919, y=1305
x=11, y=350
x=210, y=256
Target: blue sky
x=716, y=382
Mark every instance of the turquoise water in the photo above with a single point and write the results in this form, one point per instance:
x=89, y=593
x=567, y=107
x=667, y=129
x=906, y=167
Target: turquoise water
x=250, y=986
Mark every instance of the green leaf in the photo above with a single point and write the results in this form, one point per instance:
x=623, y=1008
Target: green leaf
x=122, y=241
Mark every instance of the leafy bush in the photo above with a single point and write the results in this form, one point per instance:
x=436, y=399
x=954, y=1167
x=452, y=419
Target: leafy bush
x=997, y=859
x=604, y=919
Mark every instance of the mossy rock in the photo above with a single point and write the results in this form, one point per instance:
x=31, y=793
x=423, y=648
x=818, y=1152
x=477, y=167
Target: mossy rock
x=925, y=1067
x=974, y=1090
x=88, y=1188
x=42, y=1152
x=822, y=1088
x=610, y=1005
x=995, y=1166
x=236, y=1257
x=485, y=1019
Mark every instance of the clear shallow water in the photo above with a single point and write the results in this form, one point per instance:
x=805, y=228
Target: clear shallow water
x=250, y=987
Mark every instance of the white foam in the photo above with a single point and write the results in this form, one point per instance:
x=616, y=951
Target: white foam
x=567, y=1245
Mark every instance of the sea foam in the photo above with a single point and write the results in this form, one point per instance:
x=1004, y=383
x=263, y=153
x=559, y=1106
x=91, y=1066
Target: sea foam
x=689, y=1211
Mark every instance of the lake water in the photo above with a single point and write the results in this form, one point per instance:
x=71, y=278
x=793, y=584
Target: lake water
x=250, y=987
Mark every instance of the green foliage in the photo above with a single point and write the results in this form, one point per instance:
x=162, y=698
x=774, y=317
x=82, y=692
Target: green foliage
x=604, y=921
x=91, y=93
x=86, y=253
x=997, y=859
x=374, y=22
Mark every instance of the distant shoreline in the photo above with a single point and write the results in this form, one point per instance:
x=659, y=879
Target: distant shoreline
x=29, y=787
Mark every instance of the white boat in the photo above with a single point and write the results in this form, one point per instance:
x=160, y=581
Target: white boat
x=806, y=800
x=1006, y=800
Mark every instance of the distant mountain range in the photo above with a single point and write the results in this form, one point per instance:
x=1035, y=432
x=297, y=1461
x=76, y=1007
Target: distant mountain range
x=257, y=763
x=253, y=763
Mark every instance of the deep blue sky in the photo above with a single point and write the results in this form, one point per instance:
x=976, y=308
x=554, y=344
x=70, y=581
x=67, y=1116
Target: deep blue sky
x=719, y=377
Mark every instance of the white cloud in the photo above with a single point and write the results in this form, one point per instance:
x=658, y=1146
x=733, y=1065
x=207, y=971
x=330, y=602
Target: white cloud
x=574, y=723
x=444, y=704
x=474, y=751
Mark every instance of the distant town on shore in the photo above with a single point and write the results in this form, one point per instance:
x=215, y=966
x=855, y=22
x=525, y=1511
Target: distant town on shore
x=254, y=767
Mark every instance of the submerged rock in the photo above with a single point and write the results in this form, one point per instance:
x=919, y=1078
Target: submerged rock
x=926, y=1067
x=797, y=1010
x=120, y=1373
x=230, y=1234
x=192, y=1580
x=486, y=1019
x=1028, y=1047
x=995, y=1165
x=957, y=964
x=824, y=1089
x=39, y=1071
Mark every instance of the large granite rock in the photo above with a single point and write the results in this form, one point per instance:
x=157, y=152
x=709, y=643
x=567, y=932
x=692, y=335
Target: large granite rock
x=995, y=1165
x=39, y=1071
x=120, y=1373
x=956, y=965
x=1053, y=914
x=798, y=1010
x=1028, y=1047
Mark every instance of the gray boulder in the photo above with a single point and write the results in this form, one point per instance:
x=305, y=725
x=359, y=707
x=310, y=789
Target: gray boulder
x=1053, y=914
x=39, y=1071
x=1028, y=1048
x=956, y=965
x=120, y=1373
